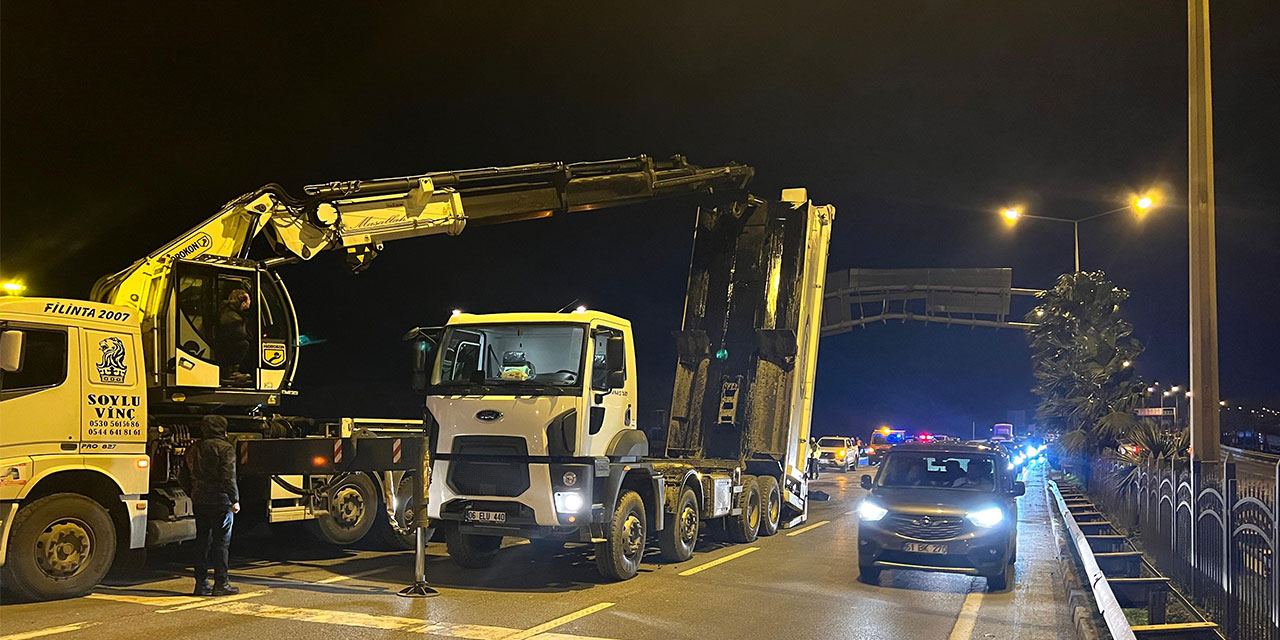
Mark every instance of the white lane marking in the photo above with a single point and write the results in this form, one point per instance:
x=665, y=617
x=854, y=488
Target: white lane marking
x=355, y=619
x=717, y=561
x=212, y=600
x=151, y=601
x=808, y=528
x=333, y=579
x=40, y=633
x=968, y=617
x=561, y=621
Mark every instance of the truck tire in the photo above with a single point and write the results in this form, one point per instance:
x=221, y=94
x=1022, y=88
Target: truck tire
x=386, y=535
x=746, y=525
x=471, y=551
x=680, y=534
x=618, y=557
x=353, y=506
x=770, y=505
x=60, y=546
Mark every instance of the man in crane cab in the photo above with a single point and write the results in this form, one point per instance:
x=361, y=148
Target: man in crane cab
x=233, y=337
x=515, y=366
x=208, y=475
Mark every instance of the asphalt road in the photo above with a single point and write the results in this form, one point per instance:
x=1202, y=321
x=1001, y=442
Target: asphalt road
x=801, y=583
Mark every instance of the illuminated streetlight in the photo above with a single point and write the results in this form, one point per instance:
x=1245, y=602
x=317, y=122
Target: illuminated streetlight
x=1175, y=388
x=1125, y=364
x=456, y=313
x=1141, y=204
x=13, y=288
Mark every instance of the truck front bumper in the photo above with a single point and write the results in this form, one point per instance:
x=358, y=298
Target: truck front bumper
x=532, y=509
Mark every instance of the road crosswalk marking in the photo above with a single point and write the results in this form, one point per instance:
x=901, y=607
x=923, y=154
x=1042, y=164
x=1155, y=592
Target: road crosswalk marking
x=207, y=601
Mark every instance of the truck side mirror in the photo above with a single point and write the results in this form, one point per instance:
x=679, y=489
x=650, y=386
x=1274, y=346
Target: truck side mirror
x=865, y=482
x=1019, y=488
x=11, y=348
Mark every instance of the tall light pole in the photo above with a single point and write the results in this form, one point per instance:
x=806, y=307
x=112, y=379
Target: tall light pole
x=1206, y=431
x=1141, y=204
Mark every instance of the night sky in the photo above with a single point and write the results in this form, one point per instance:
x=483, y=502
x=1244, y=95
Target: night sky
x=122, y=126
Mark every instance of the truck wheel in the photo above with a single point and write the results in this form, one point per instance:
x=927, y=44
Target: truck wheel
x=618, y=558
x=680, y=535
x=387, y=536
x=61, y=546
x=746, y=525
x=770, y=505
x=471, y=551
x=353, y=505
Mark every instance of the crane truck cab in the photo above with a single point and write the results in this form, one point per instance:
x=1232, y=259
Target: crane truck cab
x=534, y=435
x=73, y=460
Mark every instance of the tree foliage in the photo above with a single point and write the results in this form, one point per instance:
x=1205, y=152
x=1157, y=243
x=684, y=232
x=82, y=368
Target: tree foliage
x=1082, y=359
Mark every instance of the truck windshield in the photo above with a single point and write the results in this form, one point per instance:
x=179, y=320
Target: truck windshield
x=524, y=358
x=831, y=442
x=939, y=471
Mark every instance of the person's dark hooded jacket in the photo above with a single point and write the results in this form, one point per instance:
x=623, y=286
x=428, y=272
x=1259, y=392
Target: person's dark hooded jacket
x=208, y=473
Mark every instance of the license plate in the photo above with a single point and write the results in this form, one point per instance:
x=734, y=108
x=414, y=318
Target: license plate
x=920, y=547
x=486, y=516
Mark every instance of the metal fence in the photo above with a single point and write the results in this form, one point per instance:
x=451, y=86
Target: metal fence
x=1214, y=534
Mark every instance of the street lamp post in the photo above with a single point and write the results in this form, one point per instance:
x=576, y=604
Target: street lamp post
x=1142, y=204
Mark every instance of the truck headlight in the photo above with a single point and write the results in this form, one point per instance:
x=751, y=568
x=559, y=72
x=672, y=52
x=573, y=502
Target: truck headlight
x=842, y=453
x=568, y=501
x=871, y=512
x=986, y=518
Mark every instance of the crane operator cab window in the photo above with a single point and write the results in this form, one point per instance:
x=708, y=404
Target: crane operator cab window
x=217, y=333
x=237, y=325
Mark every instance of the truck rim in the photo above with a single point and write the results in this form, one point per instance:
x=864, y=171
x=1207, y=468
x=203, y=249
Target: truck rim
x=688, y=525
x=633, y=540
x=350, y=506
x=64, y=548
x=775, y=505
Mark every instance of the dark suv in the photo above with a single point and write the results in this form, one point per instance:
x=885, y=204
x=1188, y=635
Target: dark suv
x=941, y=507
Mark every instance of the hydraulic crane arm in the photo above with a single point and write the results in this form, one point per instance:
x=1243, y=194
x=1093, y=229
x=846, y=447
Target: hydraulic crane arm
x=360, y=215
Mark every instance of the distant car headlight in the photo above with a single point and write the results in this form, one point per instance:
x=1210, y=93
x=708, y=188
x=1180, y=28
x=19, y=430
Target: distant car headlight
x=568, y=501
x=986, y=518
x=871, y=512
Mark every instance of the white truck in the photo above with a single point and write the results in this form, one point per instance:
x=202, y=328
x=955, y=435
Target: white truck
x=532, y=417
x=98, y=398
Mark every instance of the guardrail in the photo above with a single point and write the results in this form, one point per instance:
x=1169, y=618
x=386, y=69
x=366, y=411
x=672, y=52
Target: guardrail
x=1114, y=575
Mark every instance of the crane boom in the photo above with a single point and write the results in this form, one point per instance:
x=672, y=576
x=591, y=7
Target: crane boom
x=357, y=217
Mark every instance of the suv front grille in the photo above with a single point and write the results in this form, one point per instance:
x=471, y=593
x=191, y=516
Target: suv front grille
x=924, y=527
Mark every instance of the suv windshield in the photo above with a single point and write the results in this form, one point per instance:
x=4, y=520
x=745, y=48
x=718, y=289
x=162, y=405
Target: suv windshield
x=971, y=472
x=831, y=442
x=528, y=358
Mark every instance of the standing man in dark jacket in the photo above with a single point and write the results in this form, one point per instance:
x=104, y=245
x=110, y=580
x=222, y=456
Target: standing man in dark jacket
x=208, y=475
x=233, y=337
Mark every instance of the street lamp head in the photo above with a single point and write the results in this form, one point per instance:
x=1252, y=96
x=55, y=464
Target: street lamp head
x=1126, y=363
x=1151, y=389
x=1175, y=388
x=1012, y=214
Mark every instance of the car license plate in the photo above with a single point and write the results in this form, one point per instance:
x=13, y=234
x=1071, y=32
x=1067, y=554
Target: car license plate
x=486, y=516
x=920, y=547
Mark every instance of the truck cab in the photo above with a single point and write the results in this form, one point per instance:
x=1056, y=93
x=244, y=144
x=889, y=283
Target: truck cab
x=73, y=460
x=533, y=434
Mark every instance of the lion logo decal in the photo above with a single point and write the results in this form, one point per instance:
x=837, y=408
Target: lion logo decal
x=112, y=369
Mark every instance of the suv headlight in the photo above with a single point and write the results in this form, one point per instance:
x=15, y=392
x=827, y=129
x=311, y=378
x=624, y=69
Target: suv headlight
x=870, y=511
x=986, y=518
x=568, y=501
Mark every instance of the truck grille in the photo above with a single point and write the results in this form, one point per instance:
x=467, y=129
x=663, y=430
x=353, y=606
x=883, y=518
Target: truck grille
x=924, y=527
x=479, y=468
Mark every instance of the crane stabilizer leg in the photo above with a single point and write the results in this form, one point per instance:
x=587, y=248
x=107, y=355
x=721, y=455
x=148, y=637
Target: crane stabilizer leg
x=420, y=588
